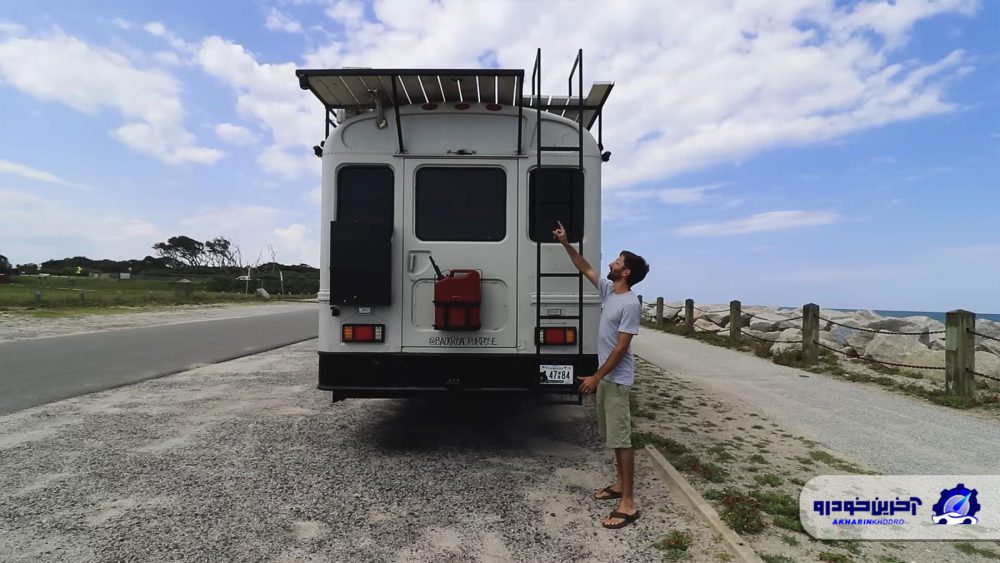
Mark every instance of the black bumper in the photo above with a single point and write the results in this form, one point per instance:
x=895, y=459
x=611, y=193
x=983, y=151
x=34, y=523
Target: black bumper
x=403, y=375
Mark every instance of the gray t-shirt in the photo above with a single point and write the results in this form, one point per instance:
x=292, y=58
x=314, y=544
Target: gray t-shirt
x=620, y=313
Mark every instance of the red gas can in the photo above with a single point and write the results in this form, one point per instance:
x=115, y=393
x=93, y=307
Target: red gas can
x=456, y=301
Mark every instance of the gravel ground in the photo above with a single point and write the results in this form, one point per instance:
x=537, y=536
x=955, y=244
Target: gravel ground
x=891, y=433
x=15, y=326
x=246, y=461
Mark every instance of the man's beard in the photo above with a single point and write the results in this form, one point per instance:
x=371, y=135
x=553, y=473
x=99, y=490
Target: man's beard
x=613, y=276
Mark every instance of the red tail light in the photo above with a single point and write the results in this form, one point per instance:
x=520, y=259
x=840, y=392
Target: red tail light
x=556, y=335
x=362, y=333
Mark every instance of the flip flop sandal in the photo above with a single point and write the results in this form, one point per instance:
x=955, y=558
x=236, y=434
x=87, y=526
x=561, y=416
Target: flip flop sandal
x=607, y=493
x=626, y=519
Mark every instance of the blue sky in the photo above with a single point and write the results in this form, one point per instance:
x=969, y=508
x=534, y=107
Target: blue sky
x=843, y=153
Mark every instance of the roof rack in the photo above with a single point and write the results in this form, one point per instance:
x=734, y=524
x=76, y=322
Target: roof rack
x=377, y=89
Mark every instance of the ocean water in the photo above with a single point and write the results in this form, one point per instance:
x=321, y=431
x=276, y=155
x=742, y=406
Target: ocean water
x=938, y=316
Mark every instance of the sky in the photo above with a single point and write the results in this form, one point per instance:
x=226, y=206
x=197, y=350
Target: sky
x=779, y=153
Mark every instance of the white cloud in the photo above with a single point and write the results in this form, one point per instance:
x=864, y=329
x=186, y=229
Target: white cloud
x=314, y=196
x=11, y=29
x=269, y=94
x=235, y=134
x=770, y=221
x=745, y=76
x=8, y=167
x=35, y=228
x=65, y=69
x=253, y=228
x=686, y=195
x=168, y=58
x=160, y=30
x=279, y=21
x=291, y=166
x=121, y=24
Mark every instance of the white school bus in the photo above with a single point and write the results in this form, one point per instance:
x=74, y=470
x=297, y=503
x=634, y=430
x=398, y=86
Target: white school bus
x=440, y=191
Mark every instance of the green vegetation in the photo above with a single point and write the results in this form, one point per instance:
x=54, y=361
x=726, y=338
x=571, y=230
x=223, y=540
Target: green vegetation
x=831, y=557
x=776, y=559
x=77, y=296
x=742, y=513
x=969, y=549
x=769, y=479
x=674, y=545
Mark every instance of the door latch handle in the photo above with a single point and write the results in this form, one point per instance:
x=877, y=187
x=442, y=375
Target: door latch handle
x=413, y=262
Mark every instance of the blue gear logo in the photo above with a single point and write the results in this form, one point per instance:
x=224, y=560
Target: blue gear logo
x=956, y=506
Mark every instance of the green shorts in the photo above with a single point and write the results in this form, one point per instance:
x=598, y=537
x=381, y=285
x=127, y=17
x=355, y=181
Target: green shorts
x=614, y=419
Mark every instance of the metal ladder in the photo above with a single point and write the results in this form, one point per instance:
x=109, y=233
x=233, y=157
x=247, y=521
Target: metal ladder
x=536, y=99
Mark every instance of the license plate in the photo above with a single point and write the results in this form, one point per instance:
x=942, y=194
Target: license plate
x=555, y=375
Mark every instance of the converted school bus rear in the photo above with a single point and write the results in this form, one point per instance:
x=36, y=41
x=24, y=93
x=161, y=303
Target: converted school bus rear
x=437, y=216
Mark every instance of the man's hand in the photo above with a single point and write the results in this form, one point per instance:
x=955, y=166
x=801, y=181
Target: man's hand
x=589, y=384
x=560, y=233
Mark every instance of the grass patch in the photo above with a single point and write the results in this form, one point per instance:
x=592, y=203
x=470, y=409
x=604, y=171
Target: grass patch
x=674, y=545
x=671, y=449
x=769, y=479
x=777, y=504
x=776, y=559
x=690, y=463
x=788, y=523
x=831, y=557
x=743, y=514
x=851, y=546
x=890, y=559
x=834, y=462
x=757, y=458
x=790, y=539
x=969, y=549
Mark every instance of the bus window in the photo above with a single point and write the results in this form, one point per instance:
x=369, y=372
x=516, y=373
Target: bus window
x=365, y=193
x=555, y=194
x=461, y=204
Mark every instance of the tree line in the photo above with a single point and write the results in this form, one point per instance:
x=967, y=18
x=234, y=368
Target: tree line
x=177, y=255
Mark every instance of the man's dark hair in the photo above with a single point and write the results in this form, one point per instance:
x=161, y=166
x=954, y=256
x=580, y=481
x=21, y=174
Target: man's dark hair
x=637, y=266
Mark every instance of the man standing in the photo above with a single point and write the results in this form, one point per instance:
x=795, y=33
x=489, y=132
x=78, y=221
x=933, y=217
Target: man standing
x=613, y=379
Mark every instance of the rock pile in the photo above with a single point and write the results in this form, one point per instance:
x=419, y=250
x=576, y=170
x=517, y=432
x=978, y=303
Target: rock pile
x=924, y=343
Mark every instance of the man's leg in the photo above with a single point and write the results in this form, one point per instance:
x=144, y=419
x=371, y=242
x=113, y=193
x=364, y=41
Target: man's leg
x=602, y=415
x=619, y=426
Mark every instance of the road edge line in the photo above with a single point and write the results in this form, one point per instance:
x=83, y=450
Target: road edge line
x=682, y=490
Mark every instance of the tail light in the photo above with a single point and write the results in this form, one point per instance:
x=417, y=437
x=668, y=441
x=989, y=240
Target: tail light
x=556, y=335
x=362, y=333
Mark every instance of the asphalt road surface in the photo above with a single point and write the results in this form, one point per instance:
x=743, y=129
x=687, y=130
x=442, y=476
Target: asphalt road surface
x=40, y=371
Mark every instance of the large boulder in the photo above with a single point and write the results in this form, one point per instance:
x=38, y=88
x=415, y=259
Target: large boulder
x=767, y=322
x=785, y=348
x=893, y=348
x=989, y=364
x=721, y=319
x=988, y=328
x=789, y=335
x=703, y=325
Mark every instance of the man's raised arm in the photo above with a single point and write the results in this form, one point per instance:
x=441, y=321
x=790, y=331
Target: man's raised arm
x=578, y=260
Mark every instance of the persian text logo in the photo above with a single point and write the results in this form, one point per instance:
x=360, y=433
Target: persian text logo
x=877, y=508
x=957, y=506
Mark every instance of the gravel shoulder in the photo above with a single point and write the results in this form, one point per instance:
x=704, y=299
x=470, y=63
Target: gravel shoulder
x=889, y=432
x=15, y=326
x=246, y=461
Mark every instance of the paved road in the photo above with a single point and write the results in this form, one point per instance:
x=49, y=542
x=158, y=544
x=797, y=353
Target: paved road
x=36, y=372
x=891, y=433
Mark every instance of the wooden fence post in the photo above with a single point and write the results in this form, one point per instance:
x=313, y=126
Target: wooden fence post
x=810, y=332
x=735, y=321
x=689, y=314
x=960, y=355
x=659, y=311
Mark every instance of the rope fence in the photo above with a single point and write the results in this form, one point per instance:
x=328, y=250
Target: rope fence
x=960, y=340
x=882, y=331
x=874, y=361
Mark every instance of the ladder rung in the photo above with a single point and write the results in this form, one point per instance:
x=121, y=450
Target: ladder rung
x=555, y=317
x=559, y=275
x=561, y=149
